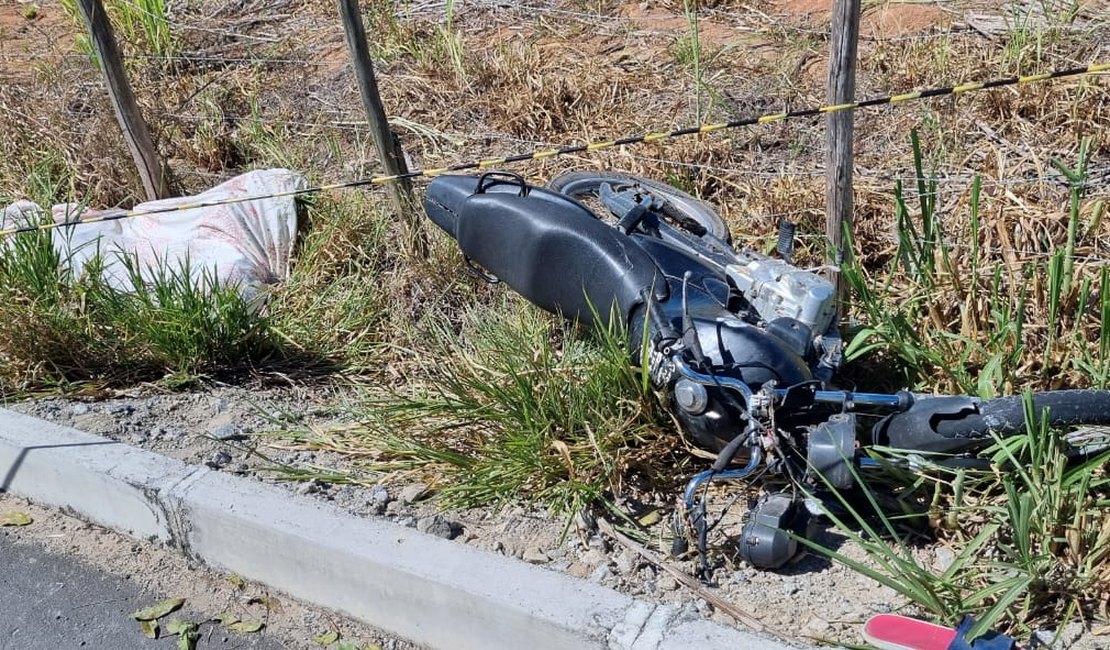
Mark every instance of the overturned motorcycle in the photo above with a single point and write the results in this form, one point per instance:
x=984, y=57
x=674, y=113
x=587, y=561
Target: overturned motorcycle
x=745, y=346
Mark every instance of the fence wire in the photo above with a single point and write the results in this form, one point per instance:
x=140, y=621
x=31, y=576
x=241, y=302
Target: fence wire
x=949, y=180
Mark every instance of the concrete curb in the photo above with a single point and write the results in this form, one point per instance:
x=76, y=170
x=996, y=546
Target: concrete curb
x=426, y=589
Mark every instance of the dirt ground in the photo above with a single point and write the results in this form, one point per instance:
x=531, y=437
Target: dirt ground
x=234, y=430
x=207, y=593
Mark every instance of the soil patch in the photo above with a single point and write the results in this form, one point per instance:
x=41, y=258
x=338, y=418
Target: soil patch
x=227, y=429
x=25, y=29
x=894, y=20
x=207, y=594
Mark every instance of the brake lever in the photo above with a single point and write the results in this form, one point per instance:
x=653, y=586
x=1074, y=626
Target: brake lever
x=631, y=207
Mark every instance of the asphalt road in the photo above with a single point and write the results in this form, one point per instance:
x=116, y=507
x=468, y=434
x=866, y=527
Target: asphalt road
x=53, y=602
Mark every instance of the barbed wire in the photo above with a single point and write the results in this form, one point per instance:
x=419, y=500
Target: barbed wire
x=942, y=176
x=1101, y=256
x=945, y=177
x=203, y=58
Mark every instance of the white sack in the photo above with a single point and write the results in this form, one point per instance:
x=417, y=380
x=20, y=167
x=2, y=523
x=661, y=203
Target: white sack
x=247, y=244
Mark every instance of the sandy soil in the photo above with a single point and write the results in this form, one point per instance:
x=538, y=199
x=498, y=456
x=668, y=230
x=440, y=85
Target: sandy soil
x=207, y=593
x=809, y=598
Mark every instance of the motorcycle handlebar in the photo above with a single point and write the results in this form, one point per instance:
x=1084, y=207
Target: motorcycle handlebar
x=900, y=401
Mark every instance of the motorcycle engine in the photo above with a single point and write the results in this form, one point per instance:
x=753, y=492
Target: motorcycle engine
x=780, y=292
x=777, y=289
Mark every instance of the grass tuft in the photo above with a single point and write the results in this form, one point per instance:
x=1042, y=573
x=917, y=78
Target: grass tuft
x=519, y=406
x=172, y=321
x=1032, y=534
x=958, y=324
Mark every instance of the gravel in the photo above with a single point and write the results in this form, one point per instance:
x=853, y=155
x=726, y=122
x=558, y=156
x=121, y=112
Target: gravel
x=226, y=429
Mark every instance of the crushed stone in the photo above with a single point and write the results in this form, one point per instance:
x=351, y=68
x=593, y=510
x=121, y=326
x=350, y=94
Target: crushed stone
x=809, y=598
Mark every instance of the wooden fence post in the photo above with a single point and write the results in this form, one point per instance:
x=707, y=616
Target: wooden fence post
x=154, y=174
x=389, y=150
x=838, y=155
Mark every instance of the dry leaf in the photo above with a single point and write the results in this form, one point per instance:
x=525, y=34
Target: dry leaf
x=149, y=628
x=327, y=638
x=188, y=641
x=15, y=519
x=187, y=634
x=272, y=604
x=155, y=612
x=178, y=626
x=226, y=618
x=245, y=627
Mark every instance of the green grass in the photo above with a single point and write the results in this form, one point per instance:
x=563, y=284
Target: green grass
x=172, y=322
x=989, y=328
x=142, y=23
x=510, y=404
x=335, y=304
x=177, y=323
x=1032, y=534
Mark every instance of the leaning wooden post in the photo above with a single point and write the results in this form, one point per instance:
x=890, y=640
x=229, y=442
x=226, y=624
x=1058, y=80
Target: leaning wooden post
x=838, y=155
x=153, y=173
x=389, y=150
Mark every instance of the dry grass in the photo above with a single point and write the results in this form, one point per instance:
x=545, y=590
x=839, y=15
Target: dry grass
x=263, y=86
x=1007, y=290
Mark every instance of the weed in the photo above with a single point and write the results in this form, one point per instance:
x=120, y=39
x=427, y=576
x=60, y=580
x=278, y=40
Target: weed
x=1036, y=28
x=978, y=340
x=689, y=53
x=183, y=320
x=63, y=324
x=1032, y=534
x=143, y=23
x=335, y=305
x=520, y=406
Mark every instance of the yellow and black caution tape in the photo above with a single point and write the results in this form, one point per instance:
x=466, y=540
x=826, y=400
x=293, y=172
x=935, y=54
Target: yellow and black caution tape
x=595, y=146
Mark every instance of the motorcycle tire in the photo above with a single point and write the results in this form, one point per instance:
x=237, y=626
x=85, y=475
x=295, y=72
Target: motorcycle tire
x=692, y=215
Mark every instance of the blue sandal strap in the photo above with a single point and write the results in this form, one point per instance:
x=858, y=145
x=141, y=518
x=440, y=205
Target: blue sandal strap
x=990, y=641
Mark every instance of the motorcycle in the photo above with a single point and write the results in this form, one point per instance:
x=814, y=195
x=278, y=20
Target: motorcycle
x=744, y=346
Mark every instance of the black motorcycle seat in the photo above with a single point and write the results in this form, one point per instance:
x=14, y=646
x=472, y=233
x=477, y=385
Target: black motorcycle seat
x=446, y=194
x=557, y=254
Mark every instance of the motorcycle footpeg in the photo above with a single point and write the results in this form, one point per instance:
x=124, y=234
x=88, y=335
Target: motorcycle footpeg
x=916, y=427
